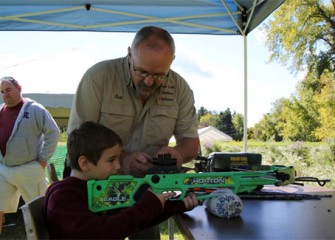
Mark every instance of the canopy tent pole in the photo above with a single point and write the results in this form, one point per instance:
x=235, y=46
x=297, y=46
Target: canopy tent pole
x=245, y=125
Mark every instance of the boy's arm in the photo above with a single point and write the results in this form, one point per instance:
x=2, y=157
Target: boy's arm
x=68, y=216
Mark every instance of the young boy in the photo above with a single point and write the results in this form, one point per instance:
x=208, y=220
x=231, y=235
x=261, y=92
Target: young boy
x=94, y=152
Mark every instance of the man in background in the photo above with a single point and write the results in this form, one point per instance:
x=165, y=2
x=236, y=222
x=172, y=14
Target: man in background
x=28, y=139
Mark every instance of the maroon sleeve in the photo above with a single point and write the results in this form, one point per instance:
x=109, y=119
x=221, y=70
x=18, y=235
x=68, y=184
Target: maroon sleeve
x=68, y=216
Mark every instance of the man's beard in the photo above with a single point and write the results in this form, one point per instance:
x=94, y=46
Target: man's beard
x=144, y=91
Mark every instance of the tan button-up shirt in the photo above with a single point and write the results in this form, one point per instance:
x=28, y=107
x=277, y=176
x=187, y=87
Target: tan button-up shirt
x=106, y=95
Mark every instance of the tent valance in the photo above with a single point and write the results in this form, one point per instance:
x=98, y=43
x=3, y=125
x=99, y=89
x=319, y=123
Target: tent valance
x=212, y=17
x=217, y=17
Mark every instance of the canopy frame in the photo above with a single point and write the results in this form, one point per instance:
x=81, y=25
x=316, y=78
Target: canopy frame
x=211, y=17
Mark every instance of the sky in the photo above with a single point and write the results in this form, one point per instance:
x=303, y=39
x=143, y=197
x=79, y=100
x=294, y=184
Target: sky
x=54, y=62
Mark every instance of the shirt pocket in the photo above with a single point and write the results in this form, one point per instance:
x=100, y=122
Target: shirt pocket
x=161, y=125
x=118, y=117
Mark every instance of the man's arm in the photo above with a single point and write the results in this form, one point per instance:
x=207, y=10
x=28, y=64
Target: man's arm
x=51, y=134
x=137, y=163
x=86, y=105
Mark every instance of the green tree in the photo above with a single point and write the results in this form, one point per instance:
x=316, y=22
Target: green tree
x=271, y=125
x=326, y=102
x=231, y=124
x=302, y=32
x=297, y=122
x=301, y=35
x=208, y=119
x=202, y=112
x=265, y=129
x=224, y=123
x=238, y=122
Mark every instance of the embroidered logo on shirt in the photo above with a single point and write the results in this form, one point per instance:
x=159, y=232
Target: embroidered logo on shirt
x=26, y=115
x=117, y=96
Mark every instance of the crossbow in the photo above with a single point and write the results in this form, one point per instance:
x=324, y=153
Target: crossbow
x=118, y=191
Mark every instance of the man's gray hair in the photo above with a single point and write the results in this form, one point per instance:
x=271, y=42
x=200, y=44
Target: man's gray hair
x=146, y=32
x=10, y=79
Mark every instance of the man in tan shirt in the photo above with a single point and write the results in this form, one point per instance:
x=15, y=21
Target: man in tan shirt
x=144, y=101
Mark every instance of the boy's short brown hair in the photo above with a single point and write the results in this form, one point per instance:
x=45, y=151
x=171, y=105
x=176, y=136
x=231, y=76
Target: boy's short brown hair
x=90, y=140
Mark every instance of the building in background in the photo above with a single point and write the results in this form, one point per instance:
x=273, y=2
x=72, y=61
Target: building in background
x=209, y=135
x=59, y=105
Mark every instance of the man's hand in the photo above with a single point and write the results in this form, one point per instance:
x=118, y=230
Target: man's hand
x=185, y=150
x=136, y=163
x=42, y=163
x=174, y=154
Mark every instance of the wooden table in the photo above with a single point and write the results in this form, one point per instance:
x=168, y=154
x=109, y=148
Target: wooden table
x=267, y=219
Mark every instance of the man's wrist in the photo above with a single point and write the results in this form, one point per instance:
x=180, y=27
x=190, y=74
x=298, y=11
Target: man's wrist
x=43, y=163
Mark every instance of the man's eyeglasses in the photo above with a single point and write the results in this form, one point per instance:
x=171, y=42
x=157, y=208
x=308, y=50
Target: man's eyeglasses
x=143, y=74
x=10, y=79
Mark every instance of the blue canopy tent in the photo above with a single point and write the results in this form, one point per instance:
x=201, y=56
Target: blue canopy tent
x=212, y=17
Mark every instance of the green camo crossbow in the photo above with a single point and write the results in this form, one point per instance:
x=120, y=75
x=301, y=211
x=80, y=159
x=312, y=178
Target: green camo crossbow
x=118, y=190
